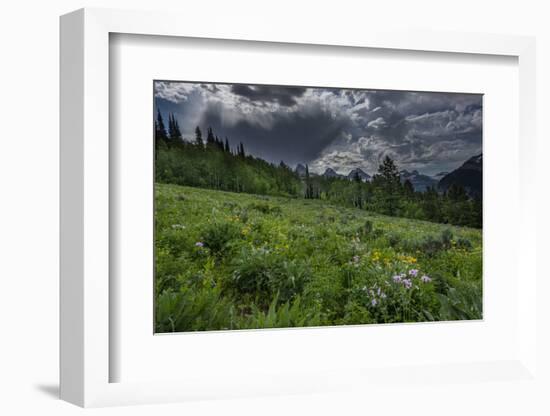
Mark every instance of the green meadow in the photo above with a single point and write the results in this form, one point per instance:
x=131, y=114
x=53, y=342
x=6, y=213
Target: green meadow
x=227, y=260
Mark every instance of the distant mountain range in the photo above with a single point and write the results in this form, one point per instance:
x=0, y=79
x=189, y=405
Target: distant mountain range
x=419, y=181
x=439, y=176
x=362, y=174
x=468, y=175
x=331, y=173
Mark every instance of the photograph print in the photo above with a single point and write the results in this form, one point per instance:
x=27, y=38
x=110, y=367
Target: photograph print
x=293, y=206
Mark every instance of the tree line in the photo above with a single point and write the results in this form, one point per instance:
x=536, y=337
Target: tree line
x=216, y=163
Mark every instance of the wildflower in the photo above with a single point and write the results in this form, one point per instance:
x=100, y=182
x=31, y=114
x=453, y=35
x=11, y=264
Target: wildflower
x=382, y=295
x=178, y=226
x=199, y=244
x=374, y=302
x=413, y=272
x=407, y=283
x=356, y=259
x=426, y=279
x=397, y=278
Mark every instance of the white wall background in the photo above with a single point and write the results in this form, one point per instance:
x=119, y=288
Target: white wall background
x=29, y=183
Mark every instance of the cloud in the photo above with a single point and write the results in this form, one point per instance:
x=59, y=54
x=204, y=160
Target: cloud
x=329, y=127
x=377, y=123
x=175, y=92
x=285, y=96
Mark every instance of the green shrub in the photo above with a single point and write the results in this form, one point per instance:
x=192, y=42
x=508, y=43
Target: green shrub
x=458, y=304
x=283, y=316
x=191, y=310
x=430, y=245
x=366, y=229
x=216, y=236
x=377, y=233
x=265, y=208
x=393, y=239
x=263, y=274
x=464, y=243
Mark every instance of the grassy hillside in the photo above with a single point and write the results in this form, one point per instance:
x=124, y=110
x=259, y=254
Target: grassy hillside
x=234, y=261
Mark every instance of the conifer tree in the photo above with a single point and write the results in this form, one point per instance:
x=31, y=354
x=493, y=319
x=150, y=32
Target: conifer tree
x=309, y=185
x=177, y=131
x=160, y=129
x=408, y=187
x=389, y=182
x=198, y=137
x=170, y=127
x=173, y=128
x=240, y=150
x=358, y=198
x=219, y=143
x=210, y=140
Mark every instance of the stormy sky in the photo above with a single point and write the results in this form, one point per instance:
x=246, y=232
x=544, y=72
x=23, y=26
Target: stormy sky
x=329, y=127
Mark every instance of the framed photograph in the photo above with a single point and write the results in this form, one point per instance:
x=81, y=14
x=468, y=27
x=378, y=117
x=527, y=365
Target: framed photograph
x=311, y=206
x=273, y=214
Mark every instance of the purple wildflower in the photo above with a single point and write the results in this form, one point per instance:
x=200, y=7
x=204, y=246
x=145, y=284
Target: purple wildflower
x=407, y=283
x=426, y=279
x=374, y=302
x=199, y=244
x=413, y=272
x=397, y=278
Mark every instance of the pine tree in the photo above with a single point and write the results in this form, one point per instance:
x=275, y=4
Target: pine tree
x=170, y=127
x=173, y=128
x=219, y=143
x=309, y=185
x=160, y=129
x=457, y=193
x=431, y=204
x=389, y=183
x=408, y=187
x=198, y=137
x=388, y=171
x=177, y=130
x=240, y=150
x=226, y=146
x=210, y=140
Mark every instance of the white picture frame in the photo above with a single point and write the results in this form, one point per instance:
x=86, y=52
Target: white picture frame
x=85, y=353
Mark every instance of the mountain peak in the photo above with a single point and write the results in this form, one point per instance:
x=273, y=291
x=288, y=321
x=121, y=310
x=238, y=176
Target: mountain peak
x=419, y=181
x=469, y=175
x=364, y=176
x=300, y=169
x=474, y=163
x=331, y=173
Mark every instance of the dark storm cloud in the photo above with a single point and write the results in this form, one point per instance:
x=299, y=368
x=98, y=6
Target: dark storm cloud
x=338, y=128
x=292, y=136
x=285, y=96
